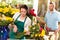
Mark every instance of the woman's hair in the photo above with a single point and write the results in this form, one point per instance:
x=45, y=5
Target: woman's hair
x=25, y=7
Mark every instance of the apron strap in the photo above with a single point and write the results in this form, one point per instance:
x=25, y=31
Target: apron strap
x=25, y=19
x=18, y=17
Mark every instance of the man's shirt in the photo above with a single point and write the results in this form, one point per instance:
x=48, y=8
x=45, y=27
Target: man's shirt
x=52, y=19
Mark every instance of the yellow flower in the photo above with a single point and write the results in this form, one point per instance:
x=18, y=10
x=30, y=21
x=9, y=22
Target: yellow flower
x=13, y=12
x=42, y=33
x=10, y=6
x=16, y=10
x=39, y=35
x=5, y=10
x=9, y=19
x=36, y=35
x=1, y=10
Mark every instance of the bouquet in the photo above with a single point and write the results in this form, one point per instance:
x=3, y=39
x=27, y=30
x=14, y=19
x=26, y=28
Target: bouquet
x=34, y=31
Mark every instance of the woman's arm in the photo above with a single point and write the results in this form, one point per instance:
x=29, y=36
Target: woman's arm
x=27, y=24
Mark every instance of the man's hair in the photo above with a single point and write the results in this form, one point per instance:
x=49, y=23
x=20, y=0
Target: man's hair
x=52, y=3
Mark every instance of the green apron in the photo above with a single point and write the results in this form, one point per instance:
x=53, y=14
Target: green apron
x=20, y=26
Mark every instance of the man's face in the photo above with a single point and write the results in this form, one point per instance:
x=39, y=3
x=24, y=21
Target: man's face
x=51, y=7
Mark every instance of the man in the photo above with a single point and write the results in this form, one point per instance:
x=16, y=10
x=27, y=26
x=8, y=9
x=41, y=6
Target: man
x=51, y=19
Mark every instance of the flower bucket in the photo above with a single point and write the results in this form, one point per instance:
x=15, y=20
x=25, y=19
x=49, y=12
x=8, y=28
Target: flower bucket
x=4, y=33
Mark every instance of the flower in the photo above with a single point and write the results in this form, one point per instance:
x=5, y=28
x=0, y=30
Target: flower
x=32, y=12
x=41, y=29
x=42, y=33
x=14, y=11
x=5, y=20
x=36, y=35
x=34, y=28
x=48, y=29
x=6, y=14
x=9, y=6
x=1, y=9
x=32, y=35
x=9, y=19
x=5, y=10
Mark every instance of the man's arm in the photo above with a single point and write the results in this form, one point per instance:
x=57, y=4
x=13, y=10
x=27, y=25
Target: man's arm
x=41, y=20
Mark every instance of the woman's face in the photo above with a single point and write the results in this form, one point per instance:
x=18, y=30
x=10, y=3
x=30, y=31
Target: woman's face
x=23, y=11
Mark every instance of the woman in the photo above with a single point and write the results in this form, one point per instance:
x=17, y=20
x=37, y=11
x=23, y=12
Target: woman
x=21, y=21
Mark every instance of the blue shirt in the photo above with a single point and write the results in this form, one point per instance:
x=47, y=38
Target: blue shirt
x=52, y=19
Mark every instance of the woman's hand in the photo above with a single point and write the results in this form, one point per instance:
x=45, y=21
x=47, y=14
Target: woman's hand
x=15, y=28
x=27, y=32
x=9, y=25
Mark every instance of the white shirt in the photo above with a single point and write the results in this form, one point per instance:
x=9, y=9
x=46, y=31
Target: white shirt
x=27, y=22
